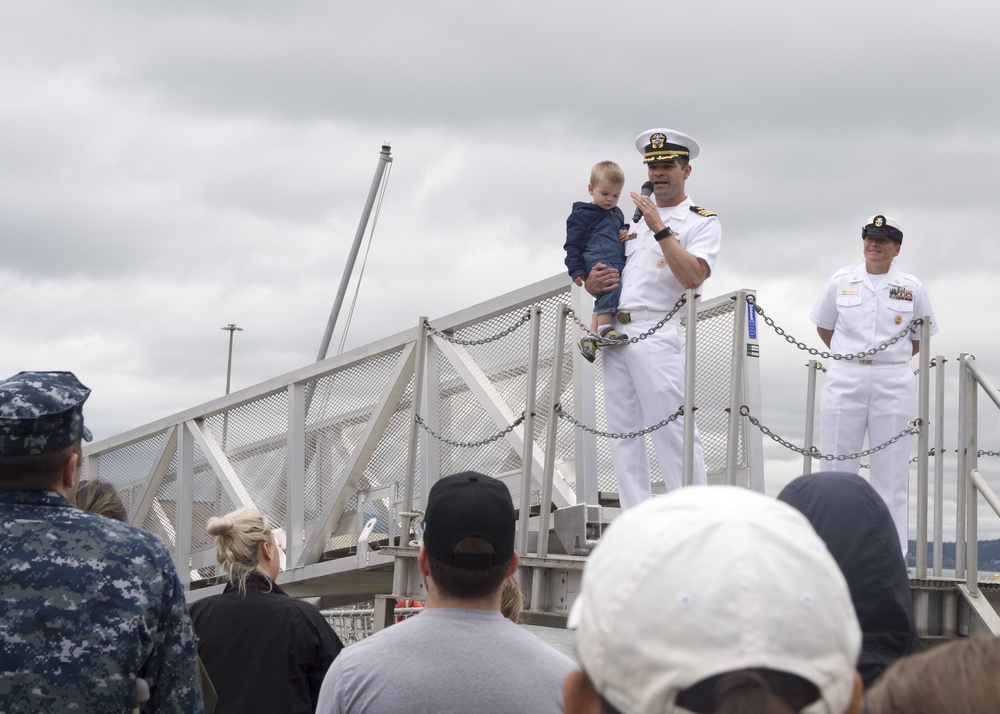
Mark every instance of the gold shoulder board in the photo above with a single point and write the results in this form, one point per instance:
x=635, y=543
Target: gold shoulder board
x=702, y=211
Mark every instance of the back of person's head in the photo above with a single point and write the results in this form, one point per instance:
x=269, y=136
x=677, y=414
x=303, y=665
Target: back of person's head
x=100, y=497
x=238, y=537
x=41, y=426
x=716, y=599
x=609, y=172
x=469, y=534
x=511, y=600
x=959, y=677
x=857, y=528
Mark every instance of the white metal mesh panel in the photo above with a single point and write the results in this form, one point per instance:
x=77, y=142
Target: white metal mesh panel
x=252, y=432
x=462, y=416
x=127, y=468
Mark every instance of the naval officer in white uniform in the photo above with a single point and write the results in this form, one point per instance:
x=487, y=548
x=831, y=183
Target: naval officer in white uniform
x=673, y=248
x=860, y=308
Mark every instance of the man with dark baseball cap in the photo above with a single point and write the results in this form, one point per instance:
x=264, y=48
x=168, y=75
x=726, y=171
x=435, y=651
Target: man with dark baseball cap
x=107, y=593
x=461, y=654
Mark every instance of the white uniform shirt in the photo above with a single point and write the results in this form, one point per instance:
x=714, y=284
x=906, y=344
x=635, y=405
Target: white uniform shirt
x=862, y=317
x=647, y=281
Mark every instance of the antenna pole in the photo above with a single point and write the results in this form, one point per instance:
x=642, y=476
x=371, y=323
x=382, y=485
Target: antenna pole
x=383, y=160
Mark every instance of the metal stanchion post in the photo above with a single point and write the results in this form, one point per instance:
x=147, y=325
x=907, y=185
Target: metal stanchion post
x=736, y=386
x=814, y=367
x=938, y=464
x=527, y=457
x=690, y=345
x=400, y=580
x=551, y=434
x=923, y=443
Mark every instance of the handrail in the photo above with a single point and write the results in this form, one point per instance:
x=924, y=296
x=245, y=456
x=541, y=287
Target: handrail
x=978, y=483
x=971, y=482
x=982, y=380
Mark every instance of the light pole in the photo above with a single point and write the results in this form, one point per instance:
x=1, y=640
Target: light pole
x=229, y=366
x=229, y=371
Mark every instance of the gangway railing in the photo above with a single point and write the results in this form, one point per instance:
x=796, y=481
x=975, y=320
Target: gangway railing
x=921, y=326
x=327, y=449
x=971, y=484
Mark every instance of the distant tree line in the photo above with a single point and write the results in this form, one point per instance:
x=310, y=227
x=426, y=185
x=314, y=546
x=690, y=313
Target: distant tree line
x=989, y=555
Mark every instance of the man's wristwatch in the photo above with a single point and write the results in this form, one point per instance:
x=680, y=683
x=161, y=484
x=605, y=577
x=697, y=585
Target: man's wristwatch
x=665, y=233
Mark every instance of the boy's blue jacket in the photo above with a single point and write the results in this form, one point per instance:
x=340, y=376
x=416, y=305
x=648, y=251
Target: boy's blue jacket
x=579, y=225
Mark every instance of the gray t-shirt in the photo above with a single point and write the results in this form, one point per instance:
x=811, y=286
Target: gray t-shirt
x=447, y=661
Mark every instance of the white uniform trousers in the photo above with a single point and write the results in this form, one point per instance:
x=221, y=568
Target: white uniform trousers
x=882, y=399
x=643, y=385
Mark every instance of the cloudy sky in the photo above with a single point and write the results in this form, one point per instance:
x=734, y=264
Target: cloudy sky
x=169, y=168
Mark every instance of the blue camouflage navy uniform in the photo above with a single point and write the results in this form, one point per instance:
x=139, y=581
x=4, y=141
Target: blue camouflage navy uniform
x=87, y=604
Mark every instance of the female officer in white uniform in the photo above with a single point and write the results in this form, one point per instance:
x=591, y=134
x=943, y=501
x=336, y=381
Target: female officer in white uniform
x=860, y=308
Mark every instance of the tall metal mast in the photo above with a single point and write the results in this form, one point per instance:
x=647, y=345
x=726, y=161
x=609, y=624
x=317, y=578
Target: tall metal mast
x=383, y=160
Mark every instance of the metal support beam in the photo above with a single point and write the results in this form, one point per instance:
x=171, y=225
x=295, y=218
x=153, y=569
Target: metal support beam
x=363, y=450
x=690, y=352
x=527, y=452
x=814, y=367
x=736, y=387
x=923, y=443
x=938, y=555
x=497, y=409
x=295, y=489
x=183, y=504
x=217, y=459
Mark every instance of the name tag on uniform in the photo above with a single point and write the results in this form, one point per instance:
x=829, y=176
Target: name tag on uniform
x=630, y=236
x=900, y=294
x=852, y=291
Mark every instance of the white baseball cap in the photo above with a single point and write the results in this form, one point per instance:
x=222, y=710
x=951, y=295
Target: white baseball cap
x=710, y=580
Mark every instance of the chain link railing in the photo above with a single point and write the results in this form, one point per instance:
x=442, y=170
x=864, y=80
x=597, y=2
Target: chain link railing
x=610, y=435
x=912, y=428
x=470, y=444
x=681, y=301
x=911, y=327
x=933, y=452
x=482, y=341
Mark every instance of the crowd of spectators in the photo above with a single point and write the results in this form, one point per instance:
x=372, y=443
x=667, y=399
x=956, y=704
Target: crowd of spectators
x=708, y=599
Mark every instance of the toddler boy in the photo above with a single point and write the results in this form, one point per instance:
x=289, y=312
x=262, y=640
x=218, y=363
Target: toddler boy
x=594, y=234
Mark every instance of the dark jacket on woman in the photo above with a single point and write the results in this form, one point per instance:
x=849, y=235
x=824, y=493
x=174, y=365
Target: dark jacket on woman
x=857, y=528
x=264, y=651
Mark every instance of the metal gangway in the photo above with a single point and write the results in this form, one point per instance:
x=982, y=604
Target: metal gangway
x=340, y=454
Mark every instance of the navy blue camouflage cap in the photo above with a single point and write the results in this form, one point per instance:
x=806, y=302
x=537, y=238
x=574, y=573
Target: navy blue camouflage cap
x=41, y=412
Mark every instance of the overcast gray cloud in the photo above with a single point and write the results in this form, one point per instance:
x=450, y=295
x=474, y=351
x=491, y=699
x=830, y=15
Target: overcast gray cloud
x=168, y=168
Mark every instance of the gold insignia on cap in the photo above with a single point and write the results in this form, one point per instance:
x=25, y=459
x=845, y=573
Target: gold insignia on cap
x=898, y=319
x=879, y=221
x=658, y=141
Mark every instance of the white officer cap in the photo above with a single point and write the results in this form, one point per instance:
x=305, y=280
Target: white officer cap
x=886, y=226
x=665, y=145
